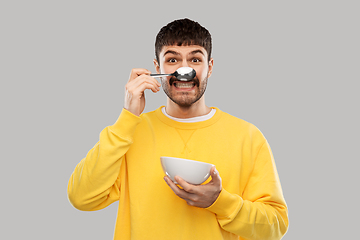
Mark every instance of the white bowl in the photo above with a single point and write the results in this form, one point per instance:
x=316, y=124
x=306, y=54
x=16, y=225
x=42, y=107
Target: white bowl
x=191, y=171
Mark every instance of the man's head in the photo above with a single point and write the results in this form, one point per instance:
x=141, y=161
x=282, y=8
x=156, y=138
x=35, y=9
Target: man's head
x=183, y=32
x=184, y=43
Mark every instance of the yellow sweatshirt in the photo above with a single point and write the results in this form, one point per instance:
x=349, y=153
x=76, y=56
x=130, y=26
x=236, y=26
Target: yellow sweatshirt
x=125, y=166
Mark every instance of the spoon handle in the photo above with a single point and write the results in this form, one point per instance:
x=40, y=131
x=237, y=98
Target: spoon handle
x=160, y=75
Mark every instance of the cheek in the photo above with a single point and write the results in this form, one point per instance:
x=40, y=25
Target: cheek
x=201, y=73
x=167, y=69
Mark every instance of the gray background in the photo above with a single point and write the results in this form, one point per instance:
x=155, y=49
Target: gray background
x=289, y=67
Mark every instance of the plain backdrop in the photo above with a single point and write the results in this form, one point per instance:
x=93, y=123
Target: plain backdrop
x=289, y=67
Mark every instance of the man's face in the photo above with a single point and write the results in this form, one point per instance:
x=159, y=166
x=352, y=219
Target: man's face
x=173, y=57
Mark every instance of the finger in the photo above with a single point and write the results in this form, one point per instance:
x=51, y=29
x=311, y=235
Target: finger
x=142, y=83
x=171, y=184
x=185, y=185
x=156, y=81
x=140, y=87
x=135, y=72
x=179, y=192
x=148, y=79
x=215, y=176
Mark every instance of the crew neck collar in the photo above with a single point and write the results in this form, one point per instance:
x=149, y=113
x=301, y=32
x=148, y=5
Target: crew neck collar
x=193, y=119
x=187, y=125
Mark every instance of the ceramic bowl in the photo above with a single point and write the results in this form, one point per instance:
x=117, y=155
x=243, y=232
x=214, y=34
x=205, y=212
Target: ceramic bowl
x=191, y=171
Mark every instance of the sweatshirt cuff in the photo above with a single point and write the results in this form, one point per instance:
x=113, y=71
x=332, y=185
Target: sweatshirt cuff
x=226, y=204
x=126, y=124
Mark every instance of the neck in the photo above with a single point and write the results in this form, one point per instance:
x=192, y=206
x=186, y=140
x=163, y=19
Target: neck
x=195, y=110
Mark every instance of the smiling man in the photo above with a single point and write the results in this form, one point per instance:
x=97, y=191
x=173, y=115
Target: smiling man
x=242, y=199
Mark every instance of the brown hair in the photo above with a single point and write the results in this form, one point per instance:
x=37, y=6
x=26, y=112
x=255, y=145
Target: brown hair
x=183, y=32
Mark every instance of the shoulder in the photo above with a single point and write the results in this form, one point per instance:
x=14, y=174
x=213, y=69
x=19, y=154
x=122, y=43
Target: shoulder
x=148, y=115
x=239, y=125
x=226, y=117
x=149, y=119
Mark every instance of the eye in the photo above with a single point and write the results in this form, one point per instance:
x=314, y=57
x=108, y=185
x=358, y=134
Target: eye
x=196, y=60
x=172, y=60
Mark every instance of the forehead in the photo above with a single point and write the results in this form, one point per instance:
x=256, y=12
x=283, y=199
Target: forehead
x=183, y=50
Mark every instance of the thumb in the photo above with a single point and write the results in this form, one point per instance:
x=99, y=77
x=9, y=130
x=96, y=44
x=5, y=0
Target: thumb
x=215, y=175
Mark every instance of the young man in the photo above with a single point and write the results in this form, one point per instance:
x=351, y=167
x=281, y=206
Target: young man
x=242, y=199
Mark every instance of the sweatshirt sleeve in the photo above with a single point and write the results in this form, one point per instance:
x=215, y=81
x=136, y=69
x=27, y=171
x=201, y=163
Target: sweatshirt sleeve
x=95, y=182
x=261, y=212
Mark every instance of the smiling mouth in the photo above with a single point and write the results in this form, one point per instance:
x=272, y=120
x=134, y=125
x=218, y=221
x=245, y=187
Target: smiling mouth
x=184, y=84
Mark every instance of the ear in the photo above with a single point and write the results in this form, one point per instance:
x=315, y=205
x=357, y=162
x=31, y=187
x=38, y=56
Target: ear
x=157, y=66
x=211, y=64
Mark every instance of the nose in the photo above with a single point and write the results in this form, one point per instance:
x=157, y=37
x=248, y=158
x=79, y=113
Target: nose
x=184, y=63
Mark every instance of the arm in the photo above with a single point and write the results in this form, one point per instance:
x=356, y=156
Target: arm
x=261, y=212
x=95, y=182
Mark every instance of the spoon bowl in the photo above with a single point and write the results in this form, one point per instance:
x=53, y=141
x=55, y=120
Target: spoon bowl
x=182, y=74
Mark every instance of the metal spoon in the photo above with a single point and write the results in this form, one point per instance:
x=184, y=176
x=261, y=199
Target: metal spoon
x=183, y=74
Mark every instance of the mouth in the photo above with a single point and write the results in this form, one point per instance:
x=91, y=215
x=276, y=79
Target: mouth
x=184, y=85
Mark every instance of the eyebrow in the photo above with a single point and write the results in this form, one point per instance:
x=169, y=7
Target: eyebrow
x=196, y=51
x=191, y=53
x=171, y=52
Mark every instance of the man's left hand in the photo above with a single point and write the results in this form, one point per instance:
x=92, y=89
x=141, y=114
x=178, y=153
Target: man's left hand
x=202, y=196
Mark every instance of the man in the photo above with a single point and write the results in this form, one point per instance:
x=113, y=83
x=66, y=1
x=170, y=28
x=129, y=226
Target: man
x=242, y=199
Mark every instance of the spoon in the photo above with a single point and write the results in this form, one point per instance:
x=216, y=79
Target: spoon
x=183, y=74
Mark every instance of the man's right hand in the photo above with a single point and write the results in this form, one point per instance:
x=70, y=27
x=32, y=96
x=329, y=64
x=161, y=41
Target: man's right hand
x=139, y=81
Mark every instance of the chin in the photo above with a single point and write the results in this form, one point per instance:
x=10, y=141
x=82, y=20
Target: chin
x=185, y=101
